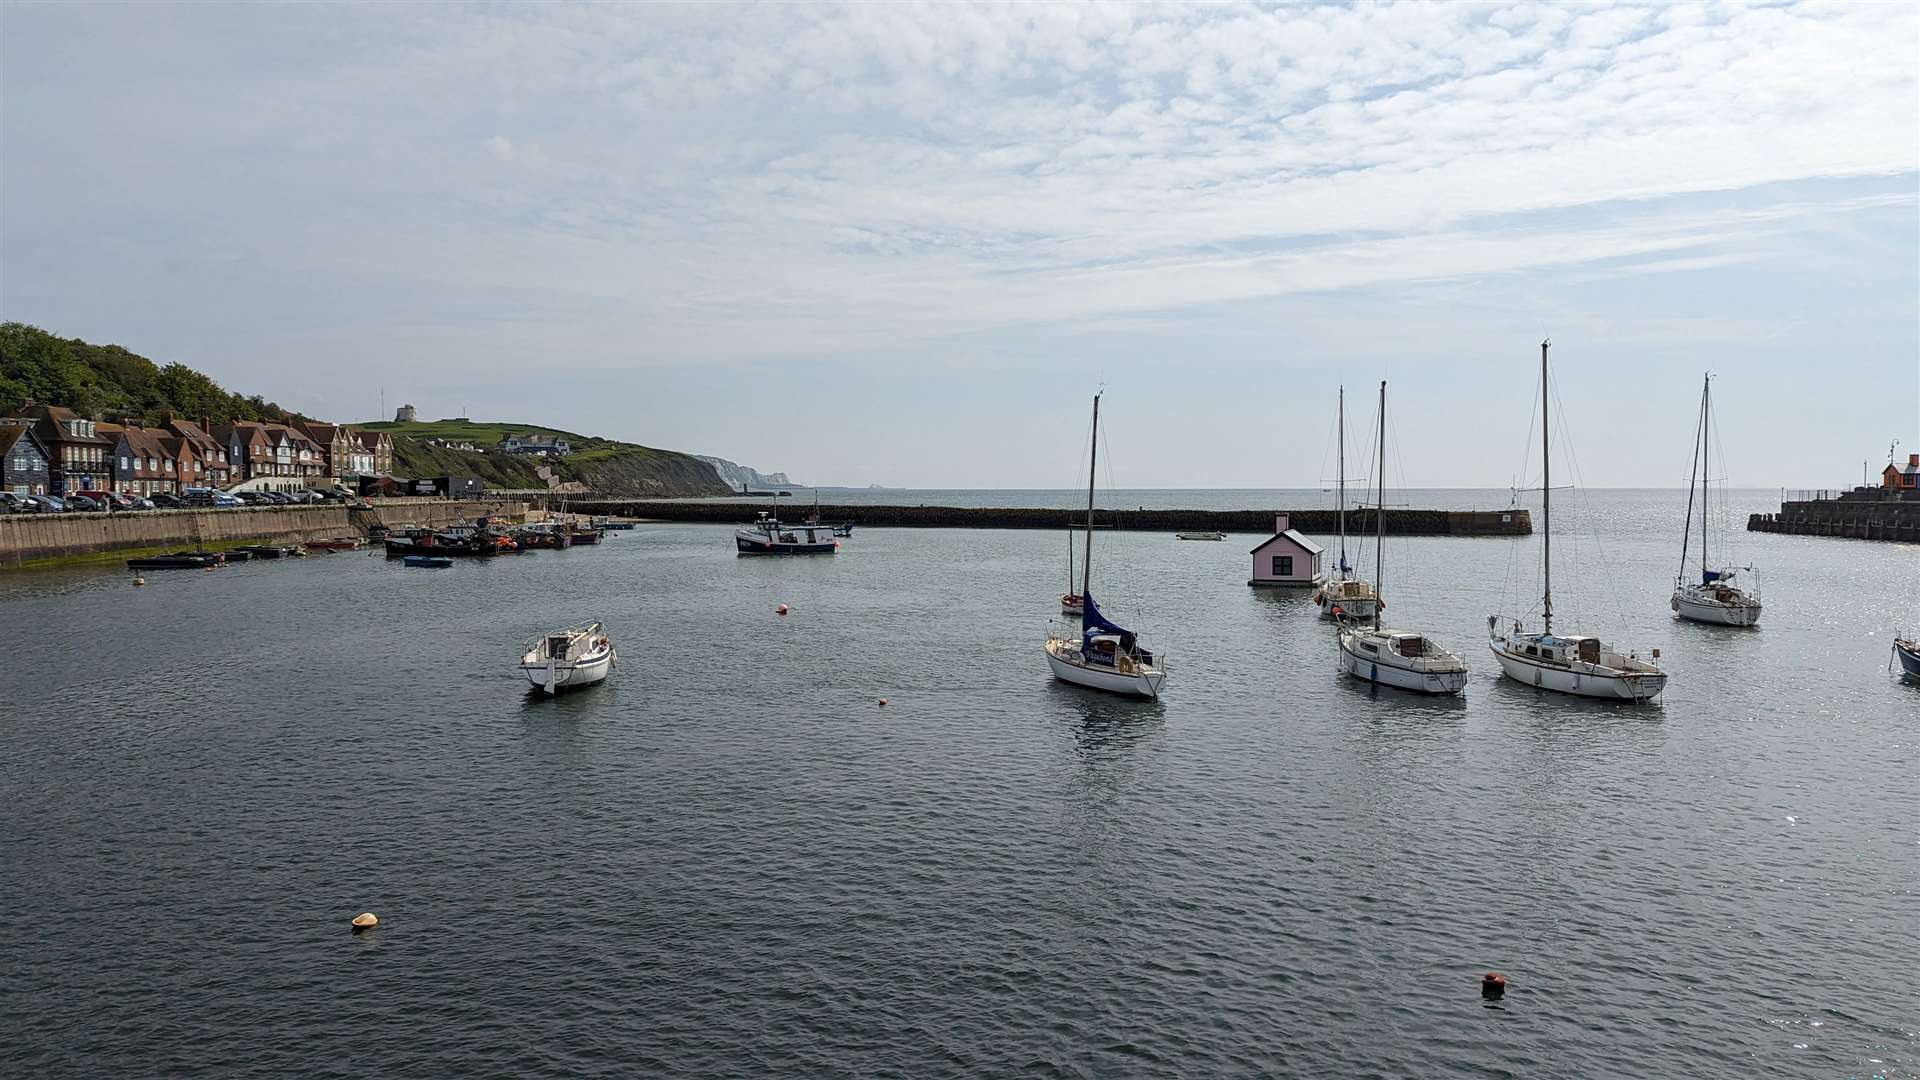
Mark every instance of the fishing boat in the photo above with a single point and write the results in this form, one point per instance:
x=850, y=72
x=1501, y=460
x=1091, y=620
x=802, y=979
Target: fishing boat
x=1571, y=664
x=570, y=658
x=1717, y=597
x=543, y=536
x=844, y=528
x=1102, y=655
x=478, y=540
x=1343, y=596
x=343, y=543
x=578, y=533
x=267, y=551
x=1406, y=659
x=1907, y=651
x=427, y=562
x=607, y=524
x=1201, y=535
x=768, y=536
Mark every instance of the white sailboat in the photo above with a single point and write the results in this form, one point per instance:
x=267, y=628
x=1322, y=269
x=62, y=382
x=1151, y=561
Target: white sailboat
x=1717, y=597
x=1571, y=664
x=1101, y=655
x=1406, y=659
x=565, y=659
x=1341, y=595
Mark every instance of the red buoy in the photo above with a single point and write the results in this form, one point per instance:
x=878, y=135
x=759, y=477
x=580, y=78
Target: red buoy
x=883, y=703
x=781, y=610
x=1493, y=984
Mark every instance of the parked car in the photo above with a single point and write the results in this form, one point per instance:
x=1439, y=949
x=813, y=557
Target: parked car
x=253, y=498
x=81, y=503
x=301, y=498
x=114, y=500
x=164, y=501
x=13, y=504
x=45, y=504
x=223, y=500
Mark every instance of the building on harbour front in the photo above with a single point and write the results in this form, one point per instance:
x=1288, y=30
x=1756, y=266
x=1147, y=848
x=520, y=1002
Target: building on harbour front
x=24, y=462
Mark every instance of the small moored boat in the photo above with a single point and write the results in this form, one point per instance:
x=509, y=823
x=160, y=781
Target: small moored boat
x=427, y=562
x=769, y=537
x=564, y=659
x=1907, y=651
x=1201, y=535
x=343, y=543
x=176, y=560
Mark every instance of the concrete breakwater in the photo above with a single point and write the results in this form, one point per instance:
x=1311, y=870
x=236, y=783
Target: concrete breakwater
x=1515, y=522
x=27, y=538
x=1855, y=516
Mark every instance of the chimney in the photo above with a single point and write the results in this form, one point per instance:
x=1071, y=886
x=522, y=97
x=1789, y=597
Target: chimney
x=1913, y=459
x=1280, y=523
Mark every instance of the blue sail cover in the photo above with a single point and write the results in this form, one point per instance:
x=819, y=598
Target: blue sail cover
x=1092, y=622
x=1708, y=577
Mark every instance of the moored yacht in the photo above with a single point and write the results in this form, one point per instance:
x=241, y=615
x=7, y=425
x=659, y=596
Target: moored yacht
x=1102, y=655
x=1406, y=659
x=1341, y=595
x=1574, y=663
x=565, y=659
x=1719, y=596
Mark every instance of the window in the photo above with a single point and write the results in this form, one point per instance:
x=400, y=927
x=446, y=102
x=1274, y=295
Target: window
x=1283, y=566
x=123, y=463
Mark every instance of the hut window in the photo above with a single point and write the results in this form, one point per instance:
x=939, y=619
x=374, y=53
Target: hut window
x=1283, y=566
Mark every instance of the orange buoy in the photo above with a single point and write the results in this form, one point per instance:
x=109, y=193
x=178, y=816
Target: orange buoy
x=1493, y=984
x=366, y=920
x=781, y=610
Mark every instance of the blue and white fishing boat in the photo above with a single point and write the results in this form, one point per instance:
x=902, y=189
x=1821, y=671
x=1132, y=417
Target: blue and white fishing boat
x=1102, y=655
x=769, y=537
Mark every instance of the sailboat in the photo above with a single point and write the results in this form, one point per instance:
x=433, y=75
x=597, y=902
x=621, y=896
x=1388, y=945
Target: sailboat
x=1571, y=664
x=1344, y=596
x=1717, y=597
x=1103, y=655
x=1403, y=658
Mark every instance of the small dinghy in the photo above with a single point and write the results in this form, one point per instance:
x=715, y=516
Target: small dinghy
x=267, y=551
x=344, y=543
x=427, y=562
x=1202, y=535
x=564, y=659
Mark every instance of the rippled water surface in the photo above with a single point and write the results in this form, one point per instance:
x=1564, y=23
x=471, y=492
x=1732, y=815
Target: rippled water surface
x=731, y=860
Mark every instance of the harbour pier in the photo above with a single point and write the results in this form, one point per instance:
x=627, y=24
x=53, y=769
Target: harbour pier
x=1399, y=522
x=1864, y=513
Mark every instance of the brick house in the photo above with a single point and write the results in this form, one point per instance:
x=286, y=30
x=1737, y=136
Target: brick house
x=379, y=447
x=77, y=457
x=210, y=466
x=1902, y=477
x=142, y=462
x=281, y=455
x=347, y=453
x=24, y=462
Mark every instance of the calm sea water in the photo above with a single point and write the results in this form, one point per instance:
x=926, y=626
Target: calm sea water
x=731, y=861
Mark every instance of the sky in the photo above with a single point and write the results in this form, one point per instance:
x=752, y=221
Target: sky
x=904, y=244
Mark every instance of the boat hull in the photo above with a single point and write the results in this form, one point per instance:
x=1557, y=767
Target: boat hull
x=1909, y=655
x=754, y=544
x=1358, y=610
x=1695, y=609
x=1371, y=669
x=554, y=676
x=1627, y=686
x=1141, y=684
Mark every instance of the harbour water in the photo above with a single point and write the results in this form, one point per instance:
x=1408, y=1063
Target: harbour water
x=731, y=860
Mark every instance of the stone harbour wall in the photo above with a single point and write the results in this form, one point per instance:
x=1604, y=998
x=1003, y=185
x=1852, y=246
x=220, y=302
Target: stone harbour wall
x=33, y=537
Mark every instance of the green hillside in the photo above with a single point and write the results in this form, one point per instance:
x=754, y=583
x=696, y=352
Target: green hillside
x=38, y=367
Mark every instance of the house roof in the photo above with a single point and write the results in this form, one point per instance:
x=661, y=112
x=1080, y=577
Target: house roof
x=53, y=416
x=1292, y=536
x=11, y=434
x=202, y=439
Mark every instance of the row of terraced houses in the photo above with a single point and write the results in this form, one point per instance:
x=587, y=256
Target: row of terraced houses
x=50, y=450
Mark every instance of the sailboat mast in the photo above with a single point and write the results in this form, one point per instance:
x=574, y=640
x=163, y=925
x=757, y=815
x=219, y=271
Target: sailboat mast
x=1093, y=455
x=1379, y=503
x=1546, y=496
x=1706, y=423
x=1693, y=479
x=1342, y=482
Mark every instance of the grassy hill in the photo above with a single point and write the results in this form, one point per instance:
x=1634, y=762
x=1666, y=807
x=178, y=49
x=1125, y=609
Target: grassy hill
x=602, y=464
x=36, y=366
